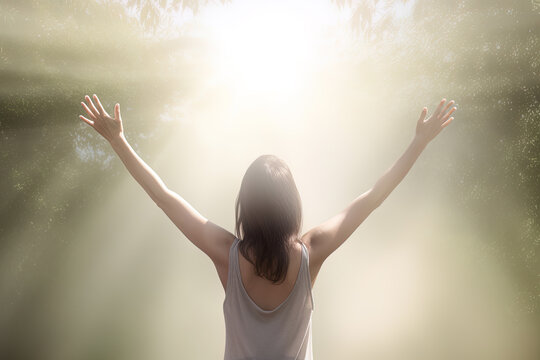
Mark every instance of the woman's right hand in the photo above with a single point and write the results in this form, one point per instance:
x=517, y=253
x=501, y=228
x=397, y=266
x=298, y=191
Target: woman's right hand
x=108, y=127
x=427, y=130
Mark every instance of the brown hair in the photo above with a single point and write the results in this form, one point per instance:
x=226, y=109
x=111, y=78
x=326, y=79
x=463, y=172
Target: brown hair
x=268, y=216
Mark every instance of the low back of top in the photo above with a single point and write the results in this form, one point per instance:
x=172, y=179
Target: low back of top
x=253, y=333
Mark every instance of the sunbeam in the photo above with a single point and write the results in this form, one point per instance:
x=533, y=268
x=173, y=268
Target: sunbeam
x=446, y=267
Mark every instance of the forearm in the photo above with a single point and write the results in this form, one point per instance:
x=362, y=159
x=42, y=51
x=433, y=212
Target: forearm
x=395, y=174
x=141, y=172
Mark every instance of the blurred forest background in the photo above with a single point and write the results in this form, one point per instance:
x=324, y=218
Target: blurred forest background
x=447, y=268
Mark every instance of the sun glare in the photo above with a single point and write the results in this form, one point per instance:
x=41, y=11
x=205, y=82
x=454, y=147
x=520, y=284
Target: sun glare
x=265, y=48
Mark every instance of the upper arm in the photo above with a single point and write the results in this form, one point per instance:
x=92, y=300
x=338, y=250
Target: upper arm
x=209, y=237
x=325, y=238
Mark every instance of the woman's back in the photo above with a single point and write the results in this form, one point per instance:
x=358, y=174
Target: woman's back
x=267, y=321
x=263, y=292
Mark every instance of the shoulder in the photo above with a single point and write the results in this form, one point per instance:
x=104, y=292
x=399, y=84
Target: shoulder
x=306, y=244
x=305, y=240
x=313, y=243
x=222, y=243
x=314, y=259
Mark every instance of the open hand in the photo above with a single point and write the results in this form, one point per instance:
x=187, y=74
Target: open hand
x=428, y=129
x=110, y=128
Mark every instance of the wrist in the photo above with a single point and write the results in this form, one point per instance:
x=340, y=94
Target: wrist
x=118, y=140
x=419, y=142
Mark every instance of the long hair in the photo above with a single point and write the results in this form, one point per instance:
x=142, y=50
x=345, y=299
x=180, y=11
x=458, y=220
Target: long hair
x=268, y=216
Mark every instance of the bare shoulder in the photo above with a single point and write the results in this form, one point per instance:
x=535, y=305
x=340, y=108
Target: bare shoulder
x=315, y=262
x=220, y=257
x=224, y=241
x=308, y=239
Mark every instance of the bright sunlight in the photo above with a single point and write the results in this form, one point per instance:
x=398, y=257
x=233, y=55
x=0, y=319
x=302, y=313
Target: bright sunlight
x=267, y=48
x=257, y=56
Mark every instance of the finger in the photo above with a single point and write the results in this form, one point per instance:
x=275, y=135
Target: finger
x=88, y=111
x=117, y=111
x=92, y=106
x=449, y=113
x=101, y=109
x=439, y=108
x=422, y=115
x=445, y=124
x=450, y=103
x=89, y=122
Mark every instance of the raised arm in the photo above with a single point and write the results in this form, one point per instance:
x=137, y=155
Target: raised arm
x=207, y=236
x=325, y=238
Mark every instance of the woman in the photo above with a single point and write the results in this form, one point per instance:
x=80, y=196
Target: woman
x=267, y=268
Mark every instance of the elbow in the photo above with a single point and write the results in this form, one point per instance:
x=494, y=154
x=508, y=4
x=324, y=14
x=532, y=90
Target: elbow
x=377, y=197
x=160, y=196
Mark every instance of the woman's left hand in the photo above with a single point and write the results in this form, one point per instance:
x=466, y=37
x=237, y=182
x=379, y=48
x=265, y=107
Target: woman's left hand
x=108, y=127
x=427, y=130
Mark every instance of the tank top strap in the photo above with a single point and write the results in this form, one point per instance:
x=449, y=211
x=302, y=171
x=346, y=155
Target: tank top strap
x=306, y=274
x=232, y=275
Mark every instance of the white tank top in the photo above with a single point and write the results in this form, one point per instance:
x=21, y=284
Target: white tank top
x=252, y=333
